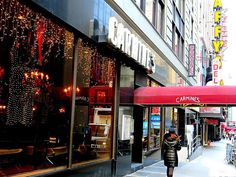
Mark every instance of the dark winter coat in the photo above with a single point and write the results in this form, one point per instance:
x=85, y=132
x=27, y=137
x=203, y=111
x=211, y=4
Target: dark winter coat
x=170, y=146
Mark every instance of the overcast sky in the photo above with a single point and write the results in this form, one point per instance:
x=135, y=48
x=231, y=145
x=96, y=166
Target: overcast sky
x=229, y=63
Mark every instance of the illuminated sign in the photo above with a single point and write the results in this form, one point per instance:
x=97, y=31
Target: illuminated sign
x=129, y=43
x=155, y=121
x=217, y=43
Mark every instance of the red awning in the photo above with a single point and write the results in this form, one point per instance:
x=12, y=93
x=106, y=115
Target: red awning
x=229, y=129
x=189, y=95
x=223, y=126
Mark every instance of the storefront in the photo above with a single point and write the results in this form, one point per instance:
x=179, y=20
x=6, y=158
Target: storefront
x=67, y=80
x=56, y=94
x=207, y=98
x=35, y=52
x=151, y=136
x=62, y=94
x=211, y=117
x=136, y=64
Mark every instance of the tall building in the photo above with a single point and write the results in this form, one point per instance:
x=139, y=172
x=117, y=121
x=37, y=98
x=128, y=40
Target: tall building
x=213, y=32
x=205, y=32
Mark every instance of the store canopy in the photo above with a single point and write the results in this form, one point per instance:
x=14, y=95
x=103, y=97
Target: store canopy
x=186, y=96
x=230, y=129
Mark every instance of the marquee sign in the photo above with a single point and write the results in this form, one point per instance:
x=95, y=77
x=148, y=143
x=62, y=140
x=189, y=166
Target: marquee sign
x=217, y=43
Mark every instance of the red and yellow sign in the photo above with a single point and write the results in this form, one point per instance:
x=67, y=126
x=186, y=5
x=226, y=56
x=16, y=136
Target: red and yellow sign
x=217, y=44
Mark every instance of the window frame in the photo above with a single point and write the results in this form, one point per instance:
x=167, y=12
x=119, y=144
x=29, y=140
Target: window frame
x=178, y=30
x=158, y=15
x=179, y=51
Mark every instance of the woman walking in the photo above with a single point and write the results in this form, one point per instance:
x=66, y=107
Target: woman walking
x=170, y=146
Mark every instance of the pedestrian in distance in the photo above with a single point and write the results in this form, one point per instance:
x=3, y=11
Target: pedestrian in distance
x=170, y=146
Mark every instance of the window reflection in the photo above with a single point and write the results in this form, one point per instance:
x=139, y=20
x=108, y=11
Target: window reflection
x=93, y=106
x=35, y=67
x=154, y=11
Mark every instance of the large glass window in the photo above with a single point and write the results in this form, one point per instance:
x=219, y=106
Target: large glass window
x=151, y=130
x=155, y=121
x=93, y=105
x=35, y=67
x=145, y=130
x=125, y=121
x=125, y=130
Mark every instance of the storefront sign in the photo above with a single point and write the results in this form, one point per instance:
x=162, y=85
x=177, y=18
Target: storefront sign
x=184, y=99
x=191, y=63
x=129, y=43
x=217, y=44
x=214, y=110
x=82, y=99
x=211, y=121
x=155, y=121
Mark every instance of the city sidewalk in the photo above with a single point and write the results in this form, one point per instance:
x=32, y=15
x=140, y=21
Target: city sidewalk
x=211, y=163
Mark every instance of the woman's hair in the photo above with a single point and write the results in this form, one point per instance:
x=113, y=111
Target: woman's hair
x=171, y=130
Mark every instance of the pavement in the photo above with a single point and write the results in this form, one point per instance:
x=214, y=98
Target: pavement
x=212, y=163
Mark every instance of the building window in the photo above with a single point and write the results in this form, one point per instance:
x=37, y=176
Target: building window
x=178, y=42
x=178, y=19
x=177, y=31
x=192, y=22
x=181, y=48
x=92, y=133
x=177, y=2
x=155, y=14
x=160, y=17
x=125, y=120
x=180, y=6
x=150, y=6
x=141, y=4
